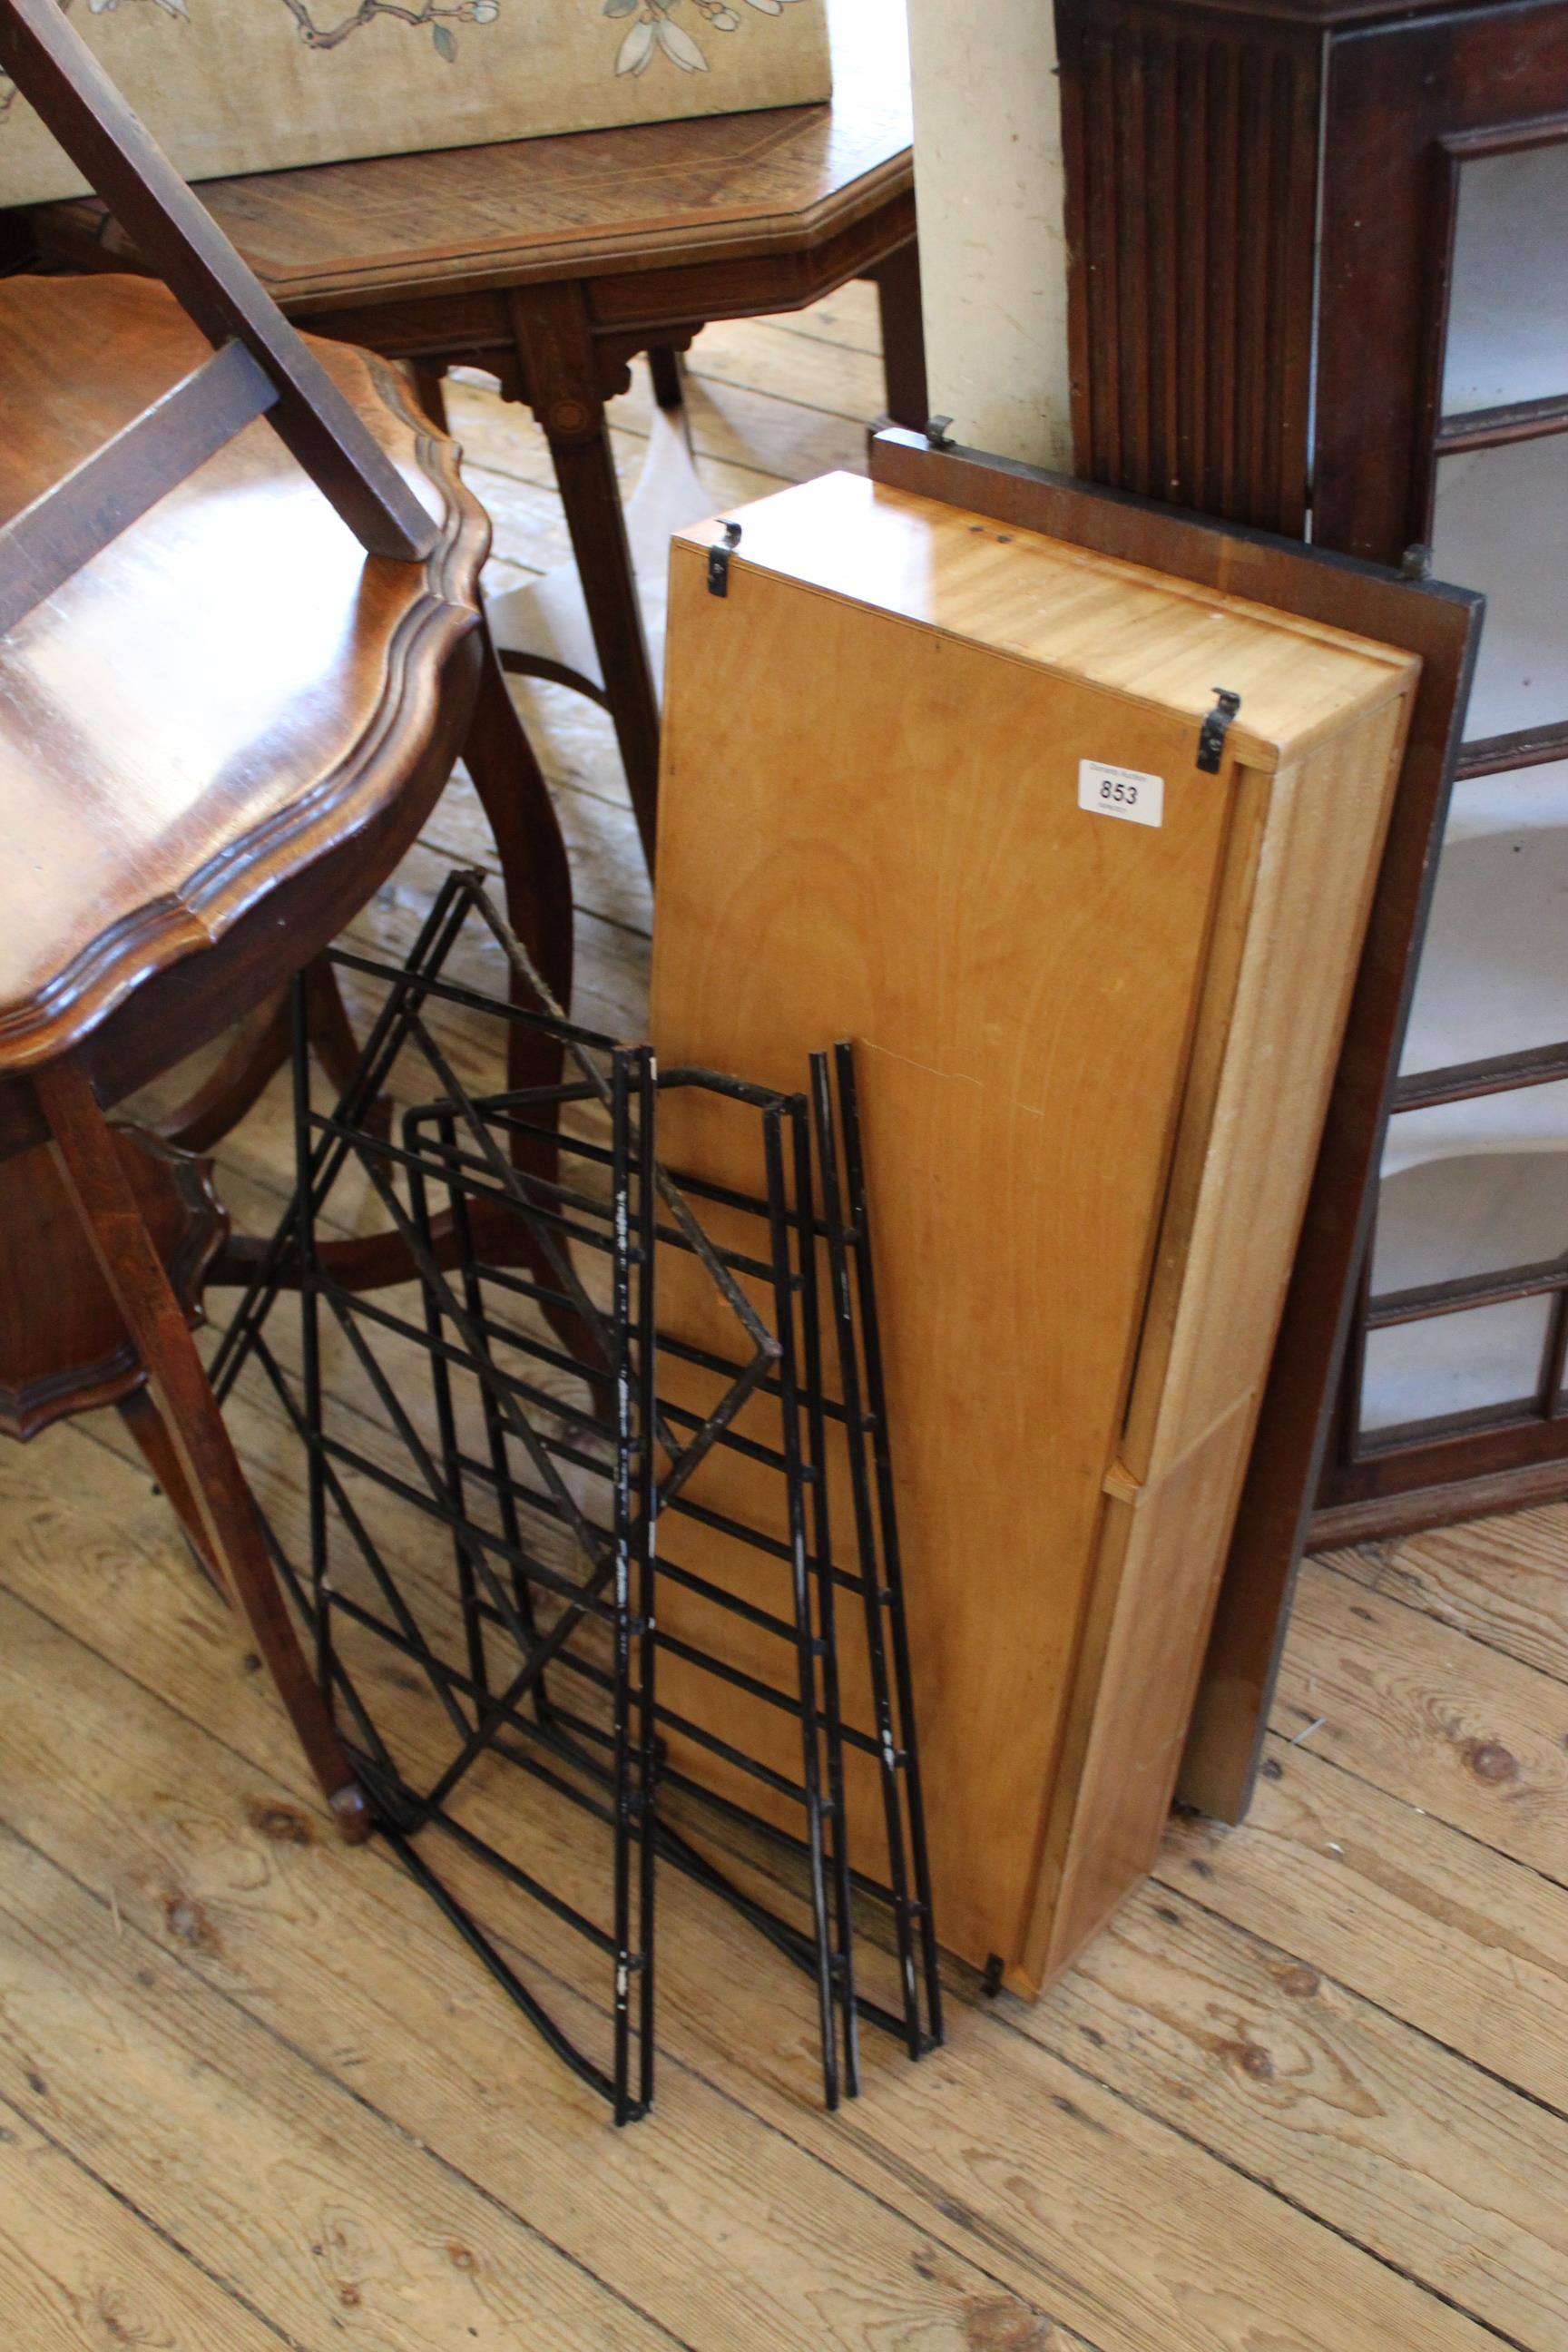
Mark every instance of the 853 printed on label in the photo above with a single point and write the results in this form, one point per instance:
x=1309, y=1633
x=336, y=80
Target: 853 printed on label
x=1125, y=793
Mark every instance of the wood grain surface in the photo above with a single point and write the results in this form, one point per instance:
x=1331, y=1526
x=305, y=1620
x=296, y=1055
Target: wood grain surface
x=79, y=2269
x=718, y=190
x=1135, y=2181
x=231, y=687
x=1502, y=1586
x=1430, y=1924
x=1506, y=1785
x=1282, y=953
x=872, y=829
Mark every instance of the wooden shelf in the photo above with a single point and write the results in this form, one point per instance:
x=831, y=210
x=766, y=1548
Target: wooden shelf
x=1491, y=428
x=1493, y=1074
x=1504, y=354
x=1489, y=995
x=1485, y=1059
x=1489, y=800
x=1501, y=525
x=1425, y=1378
x=1473, y=1211
x=1458, y=1318
x=1528, y=747
x=1510, y=1115
x=1424, y=1301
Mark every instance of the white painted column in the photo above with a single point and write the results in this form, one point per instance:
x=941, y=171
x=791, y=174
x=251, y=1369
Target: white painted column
x=988, y=177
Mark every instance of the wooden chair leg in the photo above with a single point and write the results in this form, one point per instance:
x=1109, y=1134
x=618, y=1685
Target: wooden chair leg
x=537, y=883
x=592, y=498
x=535, y=871
x=84, y=1152
x=537, y=876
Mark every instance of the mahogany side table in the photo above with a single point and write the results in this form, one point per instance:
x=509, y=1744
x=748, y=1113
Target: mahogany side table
x=215, y=740
x=553, y=262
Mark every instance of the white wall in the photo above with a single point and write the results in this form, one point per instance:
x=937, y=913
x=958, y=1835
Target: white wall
x=988, y=181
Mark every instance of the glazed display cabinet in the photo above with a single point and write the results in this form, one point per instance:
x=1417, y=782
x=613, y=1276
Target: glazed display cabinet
x=1319, y=284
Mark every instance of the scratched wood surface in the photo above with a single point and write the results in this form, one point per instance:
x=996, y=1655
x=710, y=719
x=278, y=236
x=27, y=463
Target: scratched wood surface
x=1309, y=2093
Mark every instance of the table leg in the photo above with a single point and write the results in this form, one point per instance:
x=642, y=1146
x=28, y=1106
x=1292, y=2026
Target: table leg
x=664, y=367
x=430, y=383
x=537, y=877
x=86, y=1155
x=535, y=871
x=898, y=283
x=145, y=1424
x=513, y=793
x=561, y=372
x=257, y=1050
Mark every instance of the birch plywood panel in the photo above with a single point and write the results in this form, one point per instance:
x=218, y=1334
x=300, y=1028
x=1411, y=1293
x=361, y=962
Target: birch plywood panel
x=1301, y=873
x=872, y=827
x=991, y=1043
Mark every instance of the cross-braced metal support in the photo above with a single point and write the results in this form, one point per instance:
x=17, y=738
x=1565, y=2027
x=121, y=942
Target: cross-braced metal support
x=507, y=1400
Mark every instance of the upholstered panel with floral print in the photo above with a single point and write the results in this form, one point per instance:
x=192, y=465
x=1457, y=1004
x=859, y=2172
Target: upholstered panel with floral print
x=258, y=85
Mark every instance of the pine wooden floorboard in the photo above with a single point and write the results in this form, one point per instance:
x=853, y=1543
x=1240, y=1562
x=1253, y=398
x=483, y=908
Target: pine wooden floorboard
x=1308, y=2094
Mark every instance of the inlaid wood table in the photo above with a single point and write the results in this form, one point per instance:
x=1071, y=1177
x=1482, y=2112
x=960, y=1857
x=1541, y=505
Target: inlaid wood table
x=217, y=740
x=553, y=262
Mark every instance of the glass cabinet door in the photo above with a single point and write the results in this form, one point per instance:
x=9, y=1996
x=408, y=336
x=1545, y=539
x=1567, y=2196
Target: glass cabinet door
x=1466, y=1306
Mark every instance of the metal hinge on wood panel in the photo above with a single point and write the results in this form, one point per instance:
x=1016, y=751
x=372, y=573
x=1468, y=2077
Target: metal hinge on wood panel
x=718, y=556
x=1211, y=733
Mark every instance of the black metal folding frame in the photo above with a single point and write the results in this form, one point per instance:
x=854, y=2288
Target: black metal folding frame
x=535, y=1243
